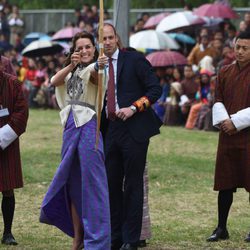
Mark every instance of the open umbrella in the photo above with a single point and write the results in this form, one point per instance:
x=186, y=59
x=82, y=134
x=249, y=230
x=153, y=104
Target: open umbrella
x=66, y=34
x=41, y=48
x=151, y=39
x=215, y=10
x=179, y=20
x=33, y=36
x=166, y=58
x=154, y=20
x=183, y=38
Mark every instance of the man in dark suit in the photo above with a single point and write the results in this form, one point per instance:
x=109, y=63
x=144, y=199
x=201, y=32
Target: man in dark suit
x=131, y=123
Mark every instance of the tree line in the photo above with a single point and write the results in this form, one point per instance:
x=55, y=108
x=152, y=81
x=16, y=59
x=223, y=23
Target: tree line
x=108, y=4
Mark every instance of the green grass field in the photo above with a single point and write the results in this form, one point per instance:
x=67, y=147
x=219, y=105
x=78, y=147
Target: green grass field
x=183, y=205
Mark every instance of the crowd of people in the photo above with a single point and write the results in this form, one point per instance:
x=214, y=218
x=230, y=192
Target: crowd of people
x=188, y=90
x=111, y=175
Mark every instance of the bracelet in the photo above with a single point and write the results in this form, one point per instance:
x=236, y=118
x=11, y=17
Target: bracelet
x=96, y=66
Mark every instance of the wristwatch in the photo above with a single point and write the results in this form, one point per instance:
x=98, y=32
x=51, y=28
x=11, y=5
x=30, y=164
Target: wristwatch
x=133, y=108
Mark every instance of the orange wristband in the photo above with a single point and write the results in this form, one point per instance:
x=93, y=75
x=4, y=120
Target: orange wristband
x=142, y=104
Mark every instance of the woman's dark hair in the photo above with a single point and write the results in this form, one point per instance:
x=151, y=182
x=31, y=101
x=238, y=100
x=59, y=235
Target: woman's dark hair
x=74, y=39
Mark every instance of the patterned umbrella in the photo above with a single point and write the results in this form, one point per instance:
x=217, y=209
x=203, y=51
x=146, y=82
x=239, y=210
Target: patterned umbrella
x=154, y=20
x=166, y=58
x=152, y=39
x=215, y=10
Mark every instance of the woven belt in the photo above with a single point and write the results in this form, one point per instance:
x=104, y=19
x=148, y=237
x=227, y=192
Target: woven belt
x=84, y=104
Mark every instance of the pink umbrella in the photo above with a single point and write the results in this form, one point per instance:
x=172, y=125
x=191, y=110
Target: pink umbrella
x=166, y=58
x=154, y=20
x=215, y=10
x=66, y=33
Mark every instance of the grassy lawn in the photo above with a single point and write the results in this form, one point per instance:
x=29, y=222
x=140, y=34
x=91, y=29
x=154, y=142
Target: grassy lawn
x=183, y=205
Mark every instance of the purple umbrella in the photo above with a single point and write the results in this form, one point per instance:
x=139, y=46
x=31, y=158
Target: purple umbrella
x=154, y=20
x=65, y=33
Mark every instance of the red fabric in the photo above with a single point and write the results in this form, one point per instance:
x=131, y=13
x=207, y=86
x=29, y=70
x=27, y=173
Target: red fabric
x=233, y=154
x=111, y=92
x=30, y=74
x=11, y=97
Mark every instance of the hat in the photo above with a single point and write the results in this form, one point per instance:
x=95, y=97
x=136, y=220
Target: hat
x=177, y=87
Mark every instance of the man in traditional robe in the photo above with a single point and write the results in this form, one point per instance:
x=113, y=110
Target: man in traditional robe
x=231, y=114
x=13, y=120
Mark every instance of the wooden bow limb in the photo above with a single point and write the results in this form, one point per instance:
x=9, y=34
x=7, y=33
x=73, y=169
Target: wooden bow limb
x=100, y=73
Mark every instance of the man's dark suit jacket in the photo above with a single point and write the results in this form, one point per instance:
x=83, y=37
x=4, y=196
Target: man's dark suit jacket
x=135, y=78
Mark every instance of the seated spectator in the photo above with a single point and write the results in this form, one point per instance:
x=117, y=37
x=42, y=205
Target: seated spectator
x=189, y=88
x=201, y=98
x=173, y=115
x=231, y=34
x=204, y=119
x=30, y=85
x=207, y=64
x=242, y=26
x=159, y=106
x=228, y=56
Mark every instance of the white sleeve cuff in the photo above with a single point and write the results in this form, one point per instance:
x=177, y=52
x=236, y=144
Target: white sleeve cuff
x=219, y=113
x=7, y=136
x=241, y=119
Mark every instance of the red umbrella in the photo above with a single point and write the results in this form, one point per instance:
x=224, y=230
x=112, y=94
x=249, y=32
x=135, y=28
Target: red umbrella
x=166, y=58
x=215, y=10
x=65, y=34
x=154, y=20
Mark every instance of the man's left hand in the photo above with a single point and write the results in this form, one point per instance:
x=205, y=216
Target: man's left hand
x=124, y=113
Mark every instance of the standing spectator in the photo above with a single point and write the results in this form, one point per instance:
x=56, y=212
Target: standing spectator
x=132, y=89
x=4, y=25
x=13, y=120
x=16, y=23
x=231, y=115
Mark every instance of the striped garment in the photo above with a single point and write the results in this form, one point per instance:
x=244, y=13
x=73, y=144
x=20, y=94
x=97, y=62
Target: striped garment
x=11, y=97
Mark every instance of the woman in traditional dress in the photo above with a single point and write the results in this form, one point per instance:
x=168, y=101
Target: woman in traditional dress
x=77, y=201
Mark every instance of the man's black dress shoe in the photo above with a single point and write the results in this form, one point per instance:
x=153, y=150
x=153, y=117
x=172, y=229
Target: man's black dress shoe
x=142, y=243
x=218, y=234
x=128, y=246
x=247, y=239
x=116, y=245
x=8, y=239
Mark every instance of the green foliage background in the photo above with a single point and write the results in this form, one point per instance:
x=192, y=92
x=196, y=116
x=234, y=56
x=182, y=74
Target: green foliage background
x=72, y=4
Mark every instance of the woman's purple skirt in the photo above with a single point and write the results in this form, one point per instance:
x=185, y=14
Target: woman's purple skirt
x=80, y=179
